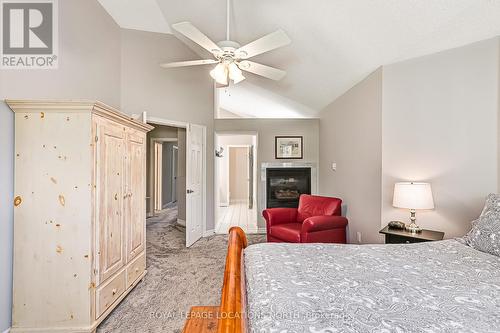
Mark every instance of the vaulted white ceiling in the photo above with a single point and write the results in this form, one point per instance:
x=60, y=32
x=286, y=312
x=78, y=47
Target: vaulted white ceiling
x=335, y=43
x=143, y=15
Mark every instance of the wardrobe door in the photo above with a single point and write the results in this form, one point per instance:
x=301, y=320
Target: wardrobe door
x=136, y=203
x=111, y=149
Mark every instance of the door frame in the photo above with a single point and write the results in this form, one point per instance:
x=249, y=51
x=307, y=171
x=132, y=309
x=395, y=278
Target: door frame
x=256, y=182
x=180, y=124
x=175, y=160
x=151, y=157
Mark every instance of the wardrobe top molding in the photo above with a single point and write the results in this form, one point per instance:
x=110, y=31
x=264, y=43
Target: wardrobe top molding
x=77, y=106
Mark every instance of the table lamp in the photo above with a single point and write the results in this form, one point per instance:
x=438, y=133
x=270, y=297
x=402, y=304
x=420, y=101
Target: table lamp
x=413, y=196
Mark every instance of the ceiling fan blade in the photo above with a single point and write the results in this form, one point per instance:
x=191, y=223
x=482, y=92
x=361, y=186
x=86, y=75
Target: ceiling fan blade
x=191, y=32
x=267, y=43
x=188, y=63
x=262, y=70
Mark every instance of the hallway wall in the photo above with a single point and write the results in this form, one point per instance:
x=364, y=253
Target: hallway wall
x=238, y=174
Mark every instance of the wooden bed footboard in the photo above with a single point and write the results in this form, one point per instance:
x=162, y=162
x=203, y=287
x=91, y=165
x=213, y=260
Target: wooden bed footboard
x=230, y=316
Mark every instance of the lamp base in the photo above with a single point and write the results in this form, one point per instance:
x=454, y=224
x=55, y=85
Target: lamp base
x=413, y=227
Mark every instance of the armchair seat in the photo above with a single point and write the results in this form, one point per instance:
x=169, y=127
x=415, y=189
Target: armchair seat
x=317, y=220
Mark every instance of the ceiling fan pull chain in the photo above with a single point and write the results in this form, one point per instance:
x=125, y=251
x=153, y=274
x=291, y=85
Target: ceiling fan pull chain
x=227, y=19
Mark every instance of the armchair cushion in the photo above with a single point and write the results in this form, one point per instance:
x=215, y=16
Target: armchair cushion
x=315, y=205
x=321, y=223
x=289, y=232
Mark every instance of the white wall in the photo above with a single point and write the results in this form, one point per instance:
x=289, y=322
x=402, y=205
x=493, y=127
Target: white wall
x=440, y=124
x=351, y=136
x=182, y=94
x=434, y=119
x=89, y=68
x=247, y=100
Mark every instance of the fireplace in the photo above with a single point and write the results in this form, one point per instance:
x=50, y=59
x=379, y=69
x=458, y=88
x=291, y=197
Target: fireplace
x=285, y=185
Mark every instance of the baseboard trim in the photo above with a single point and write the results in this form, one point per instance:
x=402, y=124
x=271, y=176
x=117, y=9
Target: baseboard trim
x=209, y=233
x=181, y=222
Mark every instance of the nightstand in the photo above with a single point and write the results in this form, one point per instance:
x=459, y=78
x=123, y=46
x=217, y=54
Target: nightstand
x=398, y=236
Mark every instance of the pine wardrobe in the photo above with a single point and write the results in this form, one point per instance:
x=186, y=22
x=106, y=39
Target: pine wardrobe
x=79, y=213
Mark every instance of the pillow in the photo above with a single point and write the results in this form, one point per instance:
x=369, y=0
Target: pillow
x=485, y=233
x=492, y=204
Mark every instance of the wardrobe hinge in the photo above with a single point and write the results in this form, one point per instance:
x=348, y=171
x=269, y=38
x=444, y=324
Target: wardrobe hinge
x=96, y=138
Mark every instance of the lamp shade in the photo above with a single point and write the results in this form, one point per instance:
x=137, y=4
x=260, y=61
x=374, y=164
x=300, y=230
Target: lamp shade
x=413, y=196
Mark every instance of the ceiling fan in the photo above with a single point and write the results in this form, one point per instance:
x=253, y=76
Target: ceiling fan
x=230, y=57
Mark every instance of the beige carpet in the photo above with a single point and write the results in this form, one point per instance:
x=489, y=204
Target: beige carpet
x=177, y=278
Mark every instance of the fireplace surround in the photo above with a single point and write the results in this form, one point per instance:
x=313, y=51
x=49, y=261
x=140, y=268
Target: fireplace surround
x=282, y=183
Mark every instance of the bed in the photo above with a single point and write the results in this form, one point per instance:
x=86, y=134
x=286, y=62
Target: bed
x=443, y=286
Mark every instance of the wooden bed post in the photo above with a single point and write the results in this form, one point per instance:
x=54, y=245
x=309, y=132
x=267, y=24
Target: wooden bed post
x=230, y=316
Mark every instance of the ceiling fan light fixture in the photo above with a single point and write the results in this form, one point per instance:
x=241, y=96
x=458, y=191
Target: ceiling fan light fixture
x=220, y=74
x=232, y=58
x=235, y=73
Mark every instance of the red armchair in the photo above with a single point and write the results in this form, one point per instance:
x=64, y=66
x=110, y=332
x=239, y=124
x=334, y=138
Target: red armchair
x=317, y=220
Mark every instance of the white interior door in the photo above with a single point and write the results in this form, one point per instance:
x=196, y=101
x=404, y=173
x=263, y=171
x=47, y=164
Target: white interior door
x=158, y=178
x=250, y=177
x=195, y=178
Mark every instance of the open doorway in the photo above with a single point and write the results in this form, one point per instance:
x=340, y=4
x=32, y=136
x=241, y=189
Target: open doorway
x=182, y=200
x=166, y=174
x=236, y=179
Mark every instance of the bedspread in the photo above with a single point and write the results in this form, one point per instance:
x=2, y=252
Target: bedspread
x=442, y=286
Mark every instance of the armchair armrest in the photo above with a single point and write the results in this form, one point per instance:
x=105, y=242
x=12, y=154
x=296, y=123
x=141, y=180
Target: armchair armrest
x=276, y=216
x=321, y=223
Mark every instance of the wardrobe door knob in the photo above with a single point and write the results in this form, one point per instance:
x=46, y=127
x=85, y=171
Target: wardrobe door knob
x=114, y=291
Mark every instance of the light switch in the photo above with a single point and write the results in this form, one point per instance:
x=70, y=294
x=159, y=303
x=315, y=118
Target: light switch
x=334, y=166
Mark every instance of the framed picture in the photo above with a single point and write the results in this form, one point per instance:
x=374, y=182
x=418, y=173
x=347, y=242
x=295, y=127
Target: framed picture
x=288, y=147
